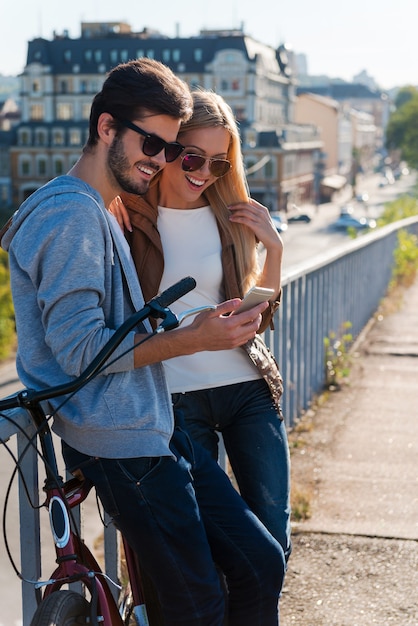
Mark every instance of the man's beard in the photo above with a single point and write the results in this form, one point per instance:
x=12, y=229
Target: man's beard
x=118, y=166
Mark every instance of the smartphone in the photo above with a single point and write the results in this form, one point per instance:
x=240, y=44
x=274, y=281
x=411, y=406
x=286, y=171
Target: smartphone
x=254, y=296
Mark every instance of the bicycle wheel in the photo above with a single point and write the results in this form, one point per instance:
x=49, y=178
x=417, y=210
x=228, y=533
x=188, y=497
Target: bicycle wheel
x=62, y=608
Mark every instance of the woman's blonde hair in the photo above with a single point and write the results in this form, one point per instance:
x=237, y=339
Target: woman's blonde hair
x=210, y=110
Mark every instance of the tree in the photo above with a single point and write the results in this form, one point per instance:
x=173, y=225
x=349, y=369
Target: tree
x=402, y=129
x=404, y=95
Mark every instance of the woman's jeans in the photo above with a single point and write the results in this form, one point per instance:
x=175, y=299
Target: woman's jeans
x=255, y=441
x=181, y=516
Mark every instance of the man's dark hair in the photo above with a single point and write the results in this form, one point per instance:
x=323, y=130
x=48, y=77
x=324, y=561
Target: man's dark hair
x=139, y=86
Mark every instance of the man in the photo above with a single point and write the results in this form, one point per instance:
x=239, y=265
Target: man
x=73, y=284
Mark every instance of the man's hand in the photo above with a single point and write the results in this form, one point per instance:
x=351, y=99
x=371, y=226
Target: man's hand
x=217, y=330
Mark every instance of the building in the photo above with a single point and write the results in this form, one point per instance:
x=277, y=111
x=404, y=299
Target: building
x=359, y=97
x=63, y=74
x=9, y=118
x=335, y=129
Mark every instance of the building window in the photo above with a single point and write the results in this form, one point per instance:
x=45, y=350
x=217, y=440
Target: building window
x=73, y=160
x=63, y=86
x=36, y=111
x=150, y=54
x=4, y=165
x=166, y=55
x=235, y=85
x=75, y=137
x=40, y=137
x=268, y=169
x=24, y=137
x=84, y=86
x=58, y=137
x=58, y=167
x=176, y=55
x=25, y=168
x=88, y=56
x=224, y=85
x=113, y=57
x=85, y=110
x=124, y=56
x=97, y=56
x=41, y=167
x=198, y=54
x=64, y=111
x=240, y=113
x=36, y=86
x=67, y=56
x=139, y=54
x=96, y=84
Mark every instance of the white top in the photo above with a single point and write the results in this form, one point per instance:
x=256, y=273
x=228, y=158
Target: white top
x=192, y=247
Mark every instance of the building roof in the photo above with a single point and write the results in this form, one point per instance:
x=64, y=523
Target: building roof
x=325, y=100
x=93, y=53
x=342, y=91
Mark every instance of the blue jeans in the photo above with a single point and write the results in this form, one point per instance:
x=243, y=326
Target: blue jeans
x=255, y=440
x=181, y=516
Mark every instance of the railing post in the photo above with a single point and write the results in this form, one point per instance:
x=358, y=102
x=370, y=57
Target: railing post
x=30, y=549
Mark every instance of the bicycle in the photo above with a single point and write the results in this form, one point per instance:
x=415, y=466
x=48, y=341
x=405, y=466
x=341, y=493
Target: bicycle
x=75, y=561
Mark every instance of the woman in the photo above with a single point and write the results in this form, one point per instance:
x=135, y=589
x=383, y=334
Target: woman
x=198, y=219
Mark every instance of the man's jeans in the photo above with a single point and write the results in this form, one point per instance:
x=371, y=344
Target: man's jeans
x=181, y=516
x=256, y=443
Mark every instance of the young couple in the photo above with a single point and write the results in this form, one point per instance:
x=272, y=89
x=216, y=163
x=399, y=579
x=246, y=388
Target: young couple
x=73, y=284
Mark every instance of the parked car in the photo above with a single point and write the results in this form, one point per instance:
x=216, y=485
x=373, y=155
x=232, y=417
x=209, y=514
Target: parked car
x=363, y=198
x=346, y=221
x=279, y=222
x=303, y=217
x=297, y=215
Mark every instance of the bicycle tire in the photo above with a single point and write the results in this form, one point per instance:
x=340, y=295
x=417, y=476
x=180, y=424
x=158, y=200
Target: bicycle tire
x=62, y=608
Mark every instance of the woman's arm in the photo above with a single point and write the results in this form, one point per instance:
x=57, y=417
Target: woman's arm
x=257, y=217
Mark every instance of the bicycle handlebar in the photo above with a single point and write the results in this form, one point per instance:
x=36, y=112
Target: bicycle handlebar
x=157, y=308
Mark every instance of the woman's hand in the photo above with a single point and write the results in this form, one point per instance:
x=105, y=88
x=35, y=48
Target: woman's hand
x=257, y=217
x=118, y=210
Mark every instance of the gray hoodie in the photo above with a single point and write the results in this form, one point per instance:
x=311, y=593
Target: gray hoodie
x=73, y=284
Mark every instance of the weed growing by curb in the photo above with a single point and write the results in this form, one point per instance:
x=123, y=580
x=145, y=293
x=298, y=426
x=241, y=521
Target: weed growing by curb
x=337, y=357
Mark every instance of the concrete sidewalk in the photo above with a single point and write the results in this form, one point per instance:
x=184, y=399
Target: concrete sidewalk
x=358, y=460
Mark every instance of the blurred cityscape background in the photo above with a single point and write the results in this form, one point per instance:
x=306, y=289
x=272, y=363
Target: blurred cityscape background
x=304, y=137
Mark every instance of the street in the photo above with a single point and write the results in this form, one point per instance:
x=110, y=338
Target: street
x=303, y=241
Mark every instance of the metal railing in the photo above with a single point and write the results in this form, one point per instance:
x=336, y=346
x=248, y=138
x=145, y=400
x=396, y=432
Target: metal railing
x=345, y=285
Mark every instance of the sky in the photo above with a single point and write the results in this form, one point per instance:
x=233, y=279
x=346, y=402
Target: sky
x=339, y=39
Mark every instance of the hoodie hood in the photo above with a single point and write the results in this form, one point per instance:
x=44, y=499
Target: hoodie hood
x=57, y=186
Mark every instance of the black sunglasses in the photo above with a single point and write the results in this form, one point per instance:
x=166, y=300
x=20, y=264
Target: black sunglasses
x=193, y=162
x=153, y=144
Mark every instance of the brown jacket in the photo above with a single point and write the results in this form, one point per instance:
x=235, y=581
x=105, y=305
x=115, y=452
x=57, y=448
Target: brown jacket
x=147, y=253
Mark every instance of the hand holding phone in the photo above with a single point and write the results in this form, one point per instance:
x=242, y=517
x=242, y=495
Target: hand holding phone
x=253, y=297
